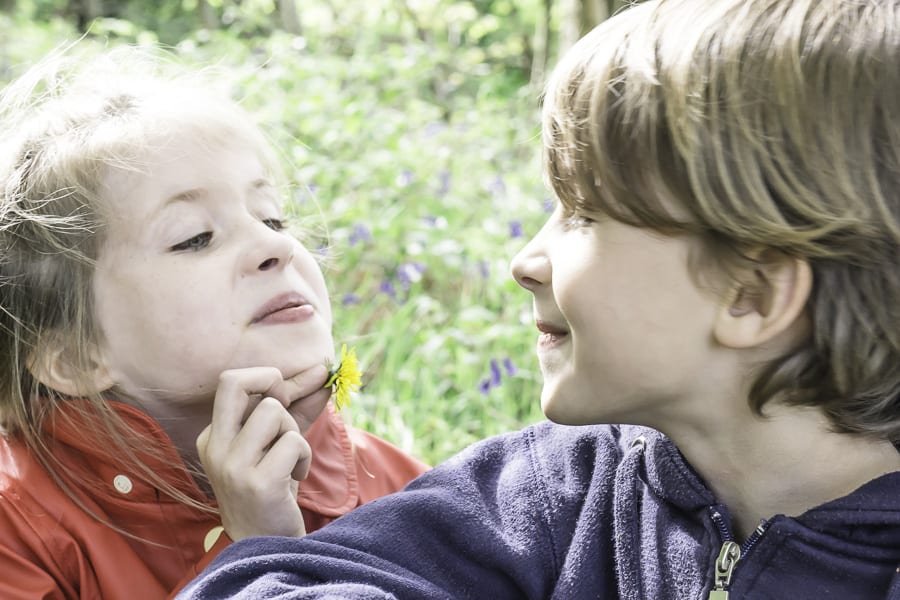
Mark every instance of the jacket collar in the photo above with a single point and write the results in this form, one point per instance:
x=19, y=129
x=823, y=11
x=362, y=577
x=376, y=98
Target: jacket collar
x=668, y=474
x=331, y=489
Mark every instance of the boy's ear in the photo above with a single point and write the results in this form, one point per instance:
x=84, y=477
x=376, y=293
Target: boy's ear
x=770, y=300
x=53, y=369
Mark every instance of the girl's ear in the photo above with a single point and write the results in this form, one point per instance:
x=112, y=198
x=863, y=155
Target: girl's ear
x=770, y=300
x=54, y=369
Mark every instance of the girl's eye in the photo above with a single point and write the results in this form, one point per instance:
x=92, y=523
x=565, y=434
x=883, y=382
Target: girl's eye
x=198, y=242
x=274, y=224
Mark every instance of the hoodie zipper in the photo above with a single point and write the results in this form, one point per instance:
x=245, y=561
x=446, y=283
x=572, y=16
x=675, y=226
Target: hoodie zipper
x=730, y=553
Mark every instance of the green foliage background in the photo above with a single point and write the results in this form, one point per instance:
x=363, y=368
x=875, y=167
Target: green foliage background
x=411, y=138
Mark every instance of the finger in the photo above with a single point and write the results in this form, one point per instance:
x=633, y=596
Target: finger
x=233, y=394
x=289, y=455
x=300, y=385
x=202, y=442
x=306, y=410
x=268, y=421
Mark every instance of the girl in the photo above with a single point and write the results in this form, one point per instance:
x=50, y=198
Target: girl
x=147, y=280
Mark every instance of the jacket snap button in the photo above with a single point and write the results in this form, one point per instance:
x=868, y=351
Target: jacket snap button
x=122, y=484
x=212, y=537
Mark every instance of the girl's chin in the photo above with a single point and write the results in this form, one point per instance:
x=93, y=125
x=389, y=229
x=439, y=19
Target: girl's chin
x=293, y=361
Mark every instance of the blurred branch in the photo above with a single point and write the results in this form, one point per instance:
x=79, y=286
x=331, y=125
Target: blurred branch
x=421, y=32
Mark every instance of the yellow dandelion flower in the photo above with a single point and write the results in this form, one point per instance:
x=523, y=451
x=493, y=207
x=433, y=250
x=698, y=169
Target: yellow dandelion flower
x=346, y=378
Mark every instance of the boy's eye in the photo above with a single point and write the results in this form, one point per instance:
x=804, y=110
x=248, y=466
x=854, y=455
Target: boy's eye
x=198, y=242
x=274, y=224
x=576, y=220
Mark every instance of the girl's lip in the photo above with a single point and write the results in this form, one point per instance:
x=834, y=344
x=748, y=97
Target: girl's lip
x=284, y=308
x=288, y=314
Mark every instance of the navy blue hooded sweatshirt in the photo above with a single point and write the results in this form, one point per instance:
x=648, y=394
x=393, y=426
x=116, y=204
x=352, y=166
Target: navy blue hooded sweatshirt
x=572, y=513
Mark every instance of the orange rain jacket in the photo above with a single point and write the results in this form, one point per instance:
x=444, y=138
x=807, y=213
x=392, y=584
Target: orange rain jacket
x=50, y=548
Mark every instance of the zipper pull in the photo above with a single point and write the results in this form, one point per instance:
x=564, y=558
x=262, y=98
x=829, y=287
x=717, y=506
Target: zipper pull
x=728, y=557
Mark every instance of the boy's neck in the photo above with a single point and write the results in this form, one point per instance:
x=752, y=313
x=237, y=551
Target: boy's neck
x=785, y=464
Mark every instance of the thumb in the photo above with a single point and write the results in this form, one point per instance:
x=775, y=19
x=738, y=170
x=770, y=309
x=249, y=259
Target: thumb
x=203, y=441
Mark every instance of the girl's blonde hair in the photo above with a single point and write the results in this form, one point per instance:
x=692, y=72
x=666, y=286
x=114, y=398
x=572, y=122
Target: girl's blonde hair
x=756, y=124
x=67, y=123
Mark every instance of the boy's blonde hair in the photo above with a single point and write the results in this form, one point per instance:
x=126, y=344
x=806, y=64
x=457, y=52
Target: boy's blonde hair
x=67, y=124
x=756, y=124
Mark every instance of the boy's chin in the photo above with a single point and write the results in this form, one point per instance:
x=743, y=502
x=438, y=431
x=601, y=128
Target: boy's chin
x=557, y=409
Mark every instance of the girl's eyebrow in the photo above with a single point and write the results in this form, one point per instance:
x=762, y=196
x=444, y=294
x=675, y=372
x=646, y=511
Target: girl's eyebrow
x=195, y=194
x=264, y=188
x=262, y=182
x=186, y=196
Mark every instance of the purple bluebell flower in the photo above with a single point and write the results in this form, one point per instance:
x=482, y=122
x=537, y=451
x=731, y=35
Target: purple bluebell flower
x=409, y=272
x=306, y=192
x=549, y=205
x=405, y=178
x=387, y=287
x=515, y=229
x=444, y=179
x=495, y=373
x=434, y=128
x=350, y=299
x=509, y=366
x=485, y=386
x=497, y=186
x=484, y=267
x=435, y=221
x=359, y=234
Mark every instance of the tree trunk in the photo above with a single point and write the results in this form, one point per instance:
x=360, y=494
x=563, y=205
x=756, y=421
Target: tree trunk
x=577, y=17
x=86, y=11
x=290, y=17
x=594, y=12
x=208, y=15
x=569, y=24
x=617, y=5
x=541, y=45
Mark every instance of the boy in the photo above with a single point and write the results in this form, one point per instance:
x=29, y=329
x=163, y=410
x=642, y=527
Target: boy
x=721, y=278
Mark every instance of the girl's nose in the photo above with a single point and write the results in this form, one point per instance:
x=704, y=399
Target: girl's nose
x=531, y=266
x=270, y=249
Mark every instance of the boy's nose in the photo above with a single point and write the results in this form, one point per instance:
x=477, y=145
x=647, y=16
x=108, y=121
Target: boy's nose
x=531, y=267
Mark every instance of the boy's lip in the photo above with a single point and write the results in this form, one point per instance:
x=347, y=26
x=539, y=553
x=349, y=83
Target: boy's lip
x=279, y=303
x=545, y=327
